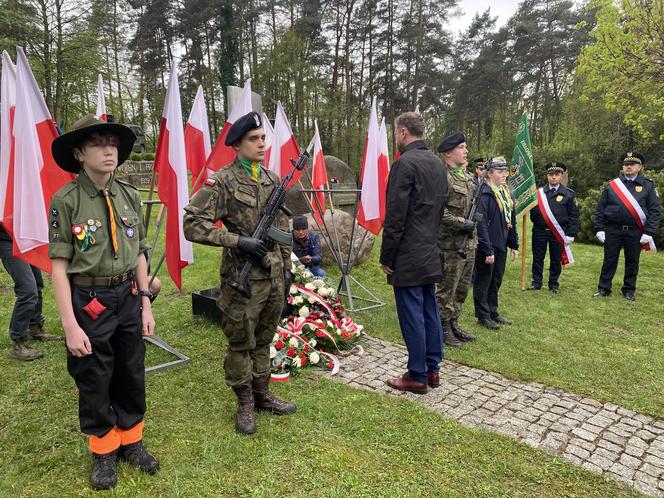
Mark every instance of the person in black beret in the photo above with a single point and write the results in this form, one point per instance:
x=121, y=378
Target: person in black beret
x=306, y=246
x=555, y=224
x=451, y=141
x=479, y=169
x=627, y=217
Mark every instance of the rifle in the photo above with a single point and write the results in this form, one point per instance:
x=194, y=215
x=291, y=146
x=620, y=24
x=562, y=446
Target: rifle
x=473, y=215
x=264, y=230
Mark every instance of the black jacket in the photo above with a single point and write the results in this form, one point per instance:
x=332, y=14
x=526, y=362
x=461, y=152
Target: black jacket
x=563, y=206
x=309, y=247
x=416, y=192
x=492, y=232
x=611, y=210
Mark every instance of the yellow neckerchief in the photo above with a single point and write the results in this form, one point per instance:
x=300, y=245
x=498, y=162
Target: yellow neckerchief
x=458, y=171
x=253, y=168
x=504, y=200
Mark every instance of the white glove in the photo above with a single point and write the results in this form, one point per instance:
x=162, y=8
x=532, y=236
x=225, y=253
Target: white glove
x=568, y=240
x=601, y=236
x=645, y=239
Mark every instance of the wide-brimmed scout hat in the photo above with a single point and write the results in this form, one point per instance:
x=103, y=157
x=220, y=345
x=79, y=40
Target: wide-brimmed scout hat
x=63, y=147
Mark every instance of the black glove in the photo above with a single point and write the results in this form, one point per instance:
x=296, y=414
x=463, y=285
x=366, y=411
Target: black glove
x=468, y=226
x=288, y=280
x=252, y=246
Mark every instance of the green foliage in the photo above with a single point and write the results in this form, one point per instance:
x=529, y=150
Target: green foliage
x=148, y=156
x=587, y=207
x=135, y=156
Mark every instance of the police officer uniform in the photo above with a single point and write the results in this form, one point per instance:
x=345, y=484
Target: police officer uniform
x=617, y=228
x=562, y=203
x=100, y=233
x=237, y=195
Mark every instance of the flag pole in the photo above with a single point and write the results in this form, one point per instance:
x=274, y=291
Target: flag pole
x=148, y=209
x=198, y=179
x=524, y=238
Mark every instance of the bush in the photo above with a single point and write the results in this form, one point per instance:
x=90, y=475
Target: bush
x=148, y=156
x=135, y=156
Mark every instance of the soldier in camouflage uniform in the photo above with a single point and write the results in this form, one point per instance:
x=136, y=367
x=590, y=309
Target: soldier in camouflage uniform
x=236, y=195
x=458, y=240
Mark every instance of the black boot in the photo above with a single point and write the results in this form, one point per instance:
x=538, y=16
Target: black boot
x=459, y=333
x=245, y=418
x=136, y=455
x=104, y=470
x=448, y=336
x=268, y=402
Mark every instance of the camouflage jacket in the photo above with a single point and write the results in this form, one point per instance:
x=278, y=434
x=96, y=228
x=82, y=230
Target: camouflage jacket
x=234, y=198
x=459, y=200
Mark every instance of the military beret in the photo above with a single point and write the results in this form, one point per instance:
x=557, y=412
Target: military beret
x=479, y=160
x=555, y=167
x=632, y=158
x=452, y=141
x=245, y=124
x=498, y=162
x=300, y=222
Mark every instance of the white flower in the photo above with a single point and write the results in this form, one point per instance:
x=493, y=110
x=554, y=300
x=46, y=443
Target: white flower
x=293, y=289
x=292, y=342
x=304, y=312
x=323, y=292
x=314, y=358
x=298, y=300
x=307, y=274
x=312, y=343
x=297, y=362
x=318, y=283
x=330, y=324
x=273, y=351
x=275, y=338
x=309, y=286
x=311, y=300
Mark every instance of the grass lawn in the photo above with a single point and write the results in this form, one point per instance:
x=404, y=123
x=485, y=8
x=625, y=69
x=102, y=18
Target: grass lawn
x=341, y=441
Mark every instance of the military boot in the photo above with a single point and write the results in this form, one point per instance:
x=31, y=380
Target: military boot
x=22, y=350
x=245, y=418
x=450, y=339
x=136, y=454
x=104, y=470
x=37, y=333
x=459, y=333
x=268, y=402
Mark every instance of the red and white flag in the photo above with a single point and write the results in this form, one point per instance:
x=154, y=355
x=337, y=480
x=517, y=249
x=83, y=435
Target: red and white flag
x=222, y=155
x=374, y=173
x=269, y=138
x=101, y=101
x=7, y=108
x=284, y=147
x=197, y=141
x=170, y=162
x=318, y=178
x=33, y=177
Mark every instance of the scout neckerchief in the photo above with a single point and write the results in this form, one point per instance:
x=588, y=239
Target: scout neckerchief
x=554, y=226
x=504, y=202
x=632, y=205
x=458, y=171
x=253, y=168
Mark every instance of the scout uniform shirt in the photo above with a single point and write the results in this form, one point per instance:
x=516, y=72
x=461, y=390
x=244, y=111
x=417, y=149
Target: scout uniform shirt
x=81, y=228
x=460, y=193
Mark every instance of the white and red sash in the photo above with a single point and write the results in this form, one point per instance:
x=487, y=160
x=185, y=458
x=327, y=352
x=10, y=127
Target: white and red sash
x=633, y=207
x=554, y=226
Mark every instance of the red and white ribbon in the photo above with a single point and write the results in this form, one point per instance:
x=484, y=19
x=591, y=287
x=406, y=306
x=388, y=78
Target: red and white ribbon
x=320, y=301
x=557, y=231
x=632, y=205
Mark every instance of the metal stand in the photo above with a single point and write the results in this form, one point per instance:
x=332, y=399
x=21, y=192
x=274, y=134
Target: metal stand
x=345, y=284
x=181, y=359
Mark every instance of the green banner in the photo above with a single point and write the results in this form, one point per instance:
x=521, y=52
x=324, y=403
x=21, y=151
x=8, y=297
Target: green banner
x=522, y=175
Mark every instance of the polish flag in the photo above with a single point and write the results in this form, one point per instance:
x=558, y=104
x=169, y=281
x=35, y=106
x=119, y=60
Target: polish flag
x=197, y=140
x=284, y=147
x=171, y=164
x=101, y=101
x=269, y=138
x=32, y=176
x=7, y=108
x=373, y=176
x=318, y=179
x=223, y=155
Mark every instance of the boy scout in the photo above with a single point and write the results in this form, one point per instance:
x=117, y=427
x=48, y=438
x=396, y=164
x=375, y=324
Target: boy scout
x=96, y=242
x=236, y=195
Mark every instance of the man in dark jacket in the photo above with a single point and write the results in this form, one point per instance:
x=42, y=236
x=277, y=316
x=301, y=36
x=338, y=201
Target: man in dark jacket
x=410, y=254
x=306, y=246
x=496, y=232
x=555, y=219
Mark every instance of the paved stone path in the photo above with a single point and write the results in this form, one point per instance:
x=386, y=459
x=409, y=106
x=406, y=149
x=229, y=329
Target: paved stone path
x=601, y=437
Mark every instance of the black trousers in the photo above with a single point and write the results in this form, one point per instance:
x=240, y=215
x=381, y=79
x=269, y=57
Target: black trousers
x=541, y=240
x=110, y=381
x=618, y=238
x=488, y=279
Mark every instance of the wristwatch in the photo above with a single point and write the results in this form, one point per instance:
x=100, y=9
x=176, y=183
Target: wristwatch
x=146, y=293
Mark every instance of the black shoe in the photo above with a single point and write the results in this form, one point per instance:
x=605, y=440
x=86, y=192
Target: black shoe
x=104, y=470
x=554, y=290
x=602, y=293
x=534, y=287
x=459, y=333
x=501, y=320
x=448, y=336
x=136, y=455
x=488, y=323
x=245, y=418
x=266, y=401
x=629, y=296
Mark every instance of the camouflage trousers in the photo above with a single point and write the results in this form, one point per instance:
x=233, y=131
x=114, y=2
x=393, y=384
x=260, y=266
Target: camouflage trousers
x=452, y=290
x=250, y=324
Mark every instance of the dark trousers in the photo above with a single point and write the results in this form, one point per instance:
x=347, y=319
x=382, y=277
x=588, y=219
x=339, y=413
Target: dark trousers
x=110, y=381
x=541, y=240
x=488, y=279
x=420, y=326
x=617, y=239
x=28, y=285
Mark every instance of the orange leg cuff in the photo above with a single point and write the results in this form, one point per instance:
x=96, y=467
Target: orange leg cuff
x=106, y=444
x=132, y=435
